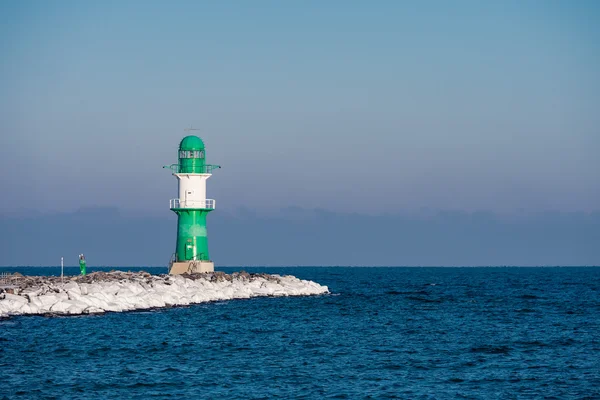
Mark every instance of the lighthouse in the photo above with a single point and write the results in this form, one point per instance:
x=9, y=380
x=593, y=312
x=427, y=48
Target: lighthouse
x=191, y=251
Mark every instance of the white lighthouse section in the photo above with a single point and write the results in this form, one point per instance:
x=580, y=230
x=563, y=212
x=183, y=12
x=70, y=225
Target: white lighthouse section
x=192, y=192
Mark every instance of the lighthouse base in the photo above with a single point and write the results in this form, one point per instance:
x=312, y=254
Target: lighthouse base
x=191, y=267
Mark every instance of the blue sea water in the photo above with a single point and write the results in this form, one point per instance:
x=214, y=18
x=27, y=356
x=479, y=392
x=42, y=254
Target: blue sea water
x=415, y=333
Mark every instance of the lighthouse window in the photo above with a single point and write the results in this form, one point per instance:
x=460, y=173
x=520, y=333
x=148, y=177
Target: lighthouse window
x=191, y=154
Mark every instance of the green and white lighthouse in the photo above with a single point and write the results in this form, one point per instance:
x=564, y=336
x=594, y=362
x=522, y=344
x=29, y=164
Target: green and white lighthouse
x=192, y=207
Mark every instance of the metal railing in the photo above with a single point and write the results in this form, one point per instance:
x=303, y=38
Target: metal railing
x=171, y=261
x=205, y=169
x=8, y=280
x=205, y=204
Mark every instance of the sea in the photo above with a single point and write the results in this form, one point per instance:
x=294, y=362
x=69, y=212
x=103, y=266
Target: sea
x=411, y=333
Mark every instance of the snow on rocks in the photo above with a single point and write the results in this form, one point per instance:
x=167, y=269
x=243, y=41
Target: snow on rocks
x=99, y=292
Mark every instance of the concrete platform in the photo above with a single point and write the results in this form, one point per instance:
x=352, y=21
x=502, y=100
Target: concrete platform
x=191, y=267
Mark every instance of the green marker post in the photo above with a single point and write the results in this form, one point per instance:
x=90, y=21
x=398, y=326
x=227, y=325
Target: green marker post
x=82, y=265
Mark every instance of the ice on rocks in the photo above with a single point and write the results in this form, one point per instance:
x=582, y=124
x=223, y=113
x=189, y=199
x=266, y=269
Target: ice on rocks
x=118, y=291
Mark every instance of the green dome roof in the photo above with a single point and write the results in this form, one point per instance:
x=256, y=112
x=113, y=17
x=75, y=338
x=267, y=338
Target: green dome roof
x=191, y=143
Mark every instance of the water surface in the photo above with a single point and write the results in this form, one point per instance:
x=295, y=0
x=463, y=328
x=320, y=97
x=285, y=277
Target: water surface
x=382, y=333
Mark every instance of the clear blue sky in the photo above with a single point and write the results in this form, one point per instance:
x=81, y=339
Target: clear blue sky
x=343, y=105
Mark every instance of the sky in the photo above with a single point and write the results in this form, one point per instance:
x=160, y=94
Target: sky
x=367, y=107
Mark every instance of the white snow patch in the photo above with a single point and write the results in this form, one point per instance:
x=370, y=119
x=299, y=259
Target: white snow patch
x=136, y=292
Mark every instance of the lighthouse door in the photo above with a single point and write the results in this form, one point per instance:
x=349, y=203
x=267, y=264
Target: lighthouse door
x=189, y=198
x=189, y=251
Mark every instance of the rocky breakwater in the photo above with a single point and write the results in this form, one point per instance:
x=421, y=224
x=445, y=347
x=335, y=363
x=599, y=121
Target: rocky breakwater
x=118, y=291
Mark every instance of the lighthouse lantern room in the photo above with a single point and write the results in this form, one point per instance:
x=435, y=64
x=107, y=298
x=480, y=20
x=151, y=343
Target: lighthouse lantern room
x=192, y=207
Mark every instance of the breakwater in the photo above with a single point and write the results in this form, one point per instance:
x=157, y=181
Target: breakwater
x=118, y=291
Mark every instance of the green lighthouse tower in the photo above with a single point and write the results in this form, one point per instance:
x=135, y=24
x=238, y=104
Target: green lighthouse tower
x=192, y=207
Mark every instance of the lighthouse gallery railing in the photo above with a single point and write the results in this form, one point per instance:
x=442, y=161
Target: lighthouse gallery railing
x=179, y=203
x=201, y=169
